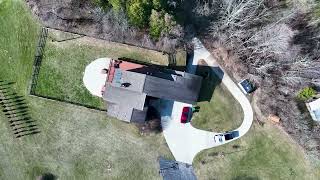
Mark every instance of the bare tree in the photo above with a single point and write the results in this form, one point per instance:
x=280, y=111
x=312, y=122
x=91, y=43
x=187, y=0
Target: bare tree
x=280, y=46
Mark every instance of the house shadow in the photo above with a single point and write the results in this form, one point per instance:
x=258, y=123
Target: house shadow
x=210, y=81
x=165, y=108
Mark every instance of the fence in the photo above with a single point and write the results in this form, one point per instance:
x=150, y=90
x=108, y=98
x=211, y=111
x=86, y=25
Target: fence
x=38, y=62
x=38, y=59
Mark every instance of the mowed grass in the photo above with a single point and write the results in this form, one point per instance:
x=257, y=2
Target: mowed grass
x=74, y=143
x=18, y=34
x=263, y=153
x=77, y=143
x=65, y=58
x=219, y=111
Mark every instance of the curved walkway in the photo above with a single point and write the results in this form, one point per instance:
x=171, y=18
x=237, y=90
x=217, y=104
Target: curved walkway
x=185, y=141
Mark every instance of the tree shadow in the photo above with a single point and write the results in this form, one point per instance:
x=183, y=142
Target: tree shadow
x=307, y=35
x=194, y=13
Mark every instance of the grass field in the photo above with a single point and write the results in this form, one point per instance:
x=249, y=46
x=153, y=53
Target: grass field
x=74, y=143
x=18, y=32
x=263, y=153
x=65, y=58
x=219, y=111
x=77, y=143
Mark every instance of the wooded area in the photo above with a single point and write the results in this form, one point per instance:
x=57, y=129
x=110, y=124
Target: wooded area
x=277, y=45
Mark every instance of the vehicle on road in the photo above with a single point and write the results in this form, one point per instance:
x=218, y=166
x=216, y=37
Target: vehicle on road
x=219, y=138
x=186, y=114
x=246, y=86
x=226, y=136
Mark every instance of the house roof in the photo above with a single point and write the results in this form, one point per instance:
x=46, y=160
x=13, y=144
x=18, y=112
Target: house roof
x=128, y=103
x=174, y=170
x=119, y=112
x=124, y=97
x=136, y=80
x=179, y=89
x=314, y=109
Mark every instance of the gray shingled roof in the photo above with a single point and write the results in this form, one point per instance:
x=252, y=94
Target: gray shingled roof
x=128, y=103
x=119, y=112
x=136, y=80
x=124, y=97
x=181, y=89
x=174, y=170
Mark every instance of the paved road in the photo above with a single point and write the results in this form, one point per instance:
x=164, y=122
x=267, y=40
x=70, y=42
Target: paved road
x=185, y=141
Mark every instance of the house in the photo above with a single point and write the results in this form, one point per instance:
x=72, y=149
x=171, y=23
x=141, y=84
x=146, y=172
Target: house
x=314, y=109
x=130, y=86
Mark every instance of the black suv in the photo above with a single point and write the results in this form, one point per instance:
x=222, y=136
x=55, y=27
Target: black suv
x=231, y=135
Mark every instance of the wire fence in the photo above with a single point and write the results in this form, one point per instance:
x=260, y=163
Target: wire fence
x=38, y=59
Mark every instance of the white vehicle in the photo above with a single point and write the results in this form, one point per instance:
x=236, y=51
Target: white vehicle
x=219, y=138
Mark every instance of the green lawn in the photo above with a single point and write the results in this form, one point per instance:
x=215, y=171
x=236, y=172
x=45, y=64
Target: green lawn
x=18, y=34
x=74, y=143
x=263, y=153
x=64, y=63
x=219, y=111
x=77, y=143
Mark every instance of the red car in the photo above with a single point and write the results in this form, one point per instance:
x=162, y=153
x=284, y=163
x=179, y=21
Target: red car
x=186, y=111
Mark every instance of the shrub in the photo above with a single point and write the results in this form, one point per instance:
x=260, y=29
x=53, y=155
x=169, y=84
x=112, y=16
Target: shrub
x=306, y=93
x=138, y=12
x=157, y=24
x=159, y=4
x=317, y=10
x=117, y=5
x=160, y=22
x=104, y=4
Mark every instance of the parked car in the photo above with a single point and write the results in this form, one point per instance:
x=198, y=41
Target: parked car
x=231, y=135
x=219, y=138
x=246, y=86
x=226, y=136
x=186, y=114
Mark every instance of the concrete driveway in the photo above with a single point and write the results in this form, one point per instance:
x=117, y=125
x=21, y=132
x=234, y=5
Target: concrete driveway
x=185, y=141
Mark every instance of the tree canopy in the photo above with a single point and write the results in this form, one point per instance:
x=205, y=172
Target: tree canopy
x=150, y=14
x=138, y=12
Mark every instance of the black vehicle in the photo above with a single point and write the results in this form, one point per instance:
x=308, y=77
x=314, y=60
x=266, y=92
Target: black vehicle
x=246, y=86
x=231, y=135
